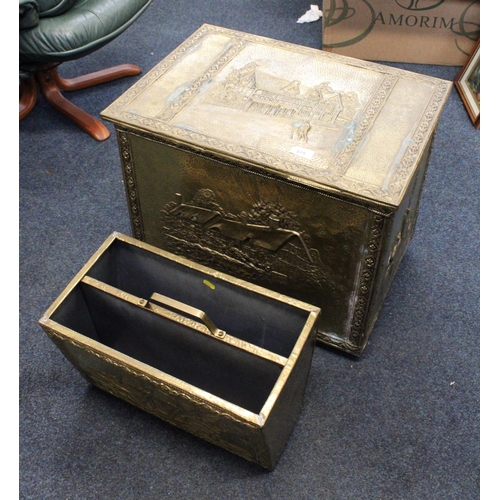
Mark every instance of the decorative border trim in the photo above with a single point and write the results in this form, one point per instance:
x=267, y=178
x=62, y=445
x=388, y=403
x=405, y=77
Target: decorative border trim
x=215, y=68
x=359, y=335
x=130, y=185
x=423, y=133
x=376, y=104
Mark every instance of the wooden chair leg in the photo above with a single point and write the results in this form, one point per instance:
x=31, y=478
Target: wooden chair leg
x=52, y=94
x=51, y=84
x=96, y=78
x=28, y=92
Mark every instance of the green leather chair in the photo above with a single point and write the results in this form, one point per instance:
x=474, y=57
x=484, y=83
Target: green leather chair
x=54, y=31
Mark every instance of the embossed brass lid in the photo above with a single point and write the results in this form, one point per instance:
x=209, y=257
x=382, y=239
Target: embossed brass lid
x=318, y=118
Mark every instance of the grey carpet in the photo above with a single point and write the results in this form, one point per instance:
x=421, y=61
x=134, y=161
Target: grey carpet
x=399, y=423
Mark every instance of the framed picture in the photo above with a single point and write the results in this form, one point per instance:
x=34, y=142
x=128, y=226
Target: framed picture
x=467, y=84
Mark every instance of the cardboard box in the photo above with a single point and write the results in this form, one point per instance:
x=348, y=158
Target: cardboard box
x=414, y=31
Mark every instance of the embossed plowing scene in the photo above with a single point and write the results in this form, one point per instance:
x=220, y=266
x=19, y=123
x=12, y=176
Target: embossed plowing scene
x=263, y=244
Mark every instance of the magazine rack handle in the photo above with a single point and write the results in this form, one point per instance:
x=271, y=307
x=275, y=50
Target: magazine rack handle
x=189, y=310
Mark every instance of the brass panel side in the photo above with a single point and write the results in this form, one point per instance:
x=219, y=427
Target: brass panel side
x=316, y=247
x=166, y=401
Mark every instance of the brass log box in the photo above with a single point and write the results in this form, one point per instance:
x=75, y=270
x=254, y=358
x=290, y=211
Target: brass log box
x=289, y=167
x=218, y=357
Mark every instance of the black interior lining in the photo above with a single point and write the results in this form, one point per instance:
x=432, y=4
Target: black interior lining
x=252, y=317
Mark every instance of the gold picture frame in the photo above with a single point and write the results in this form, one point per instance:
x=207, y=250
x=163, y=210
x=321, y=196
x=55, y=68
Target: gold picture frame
x=467, y=84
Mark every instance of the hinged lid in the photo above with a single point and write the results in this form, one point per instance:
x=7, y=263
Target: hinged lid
x=326, y=120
